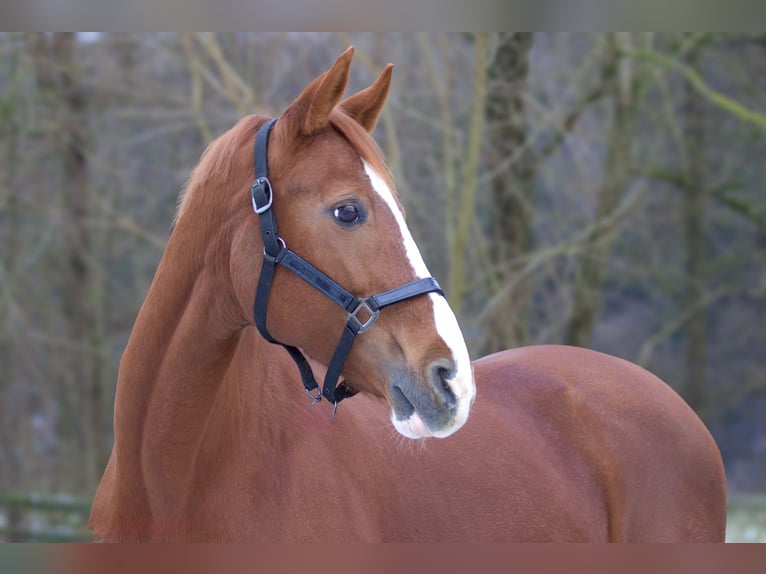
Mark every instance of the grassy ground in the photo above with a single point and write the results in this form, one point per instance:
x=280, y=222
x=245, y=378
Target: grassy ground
x=61, y=519
x=747, y=519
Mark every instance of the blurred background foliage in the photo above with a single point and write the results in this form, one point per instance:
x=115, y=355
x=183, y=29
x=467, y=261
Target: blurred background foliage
x=595, y=189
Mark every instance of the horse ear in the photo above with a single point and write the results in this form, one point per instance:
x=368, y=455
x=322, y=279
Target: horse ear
x=366, y=105
x=310, y=112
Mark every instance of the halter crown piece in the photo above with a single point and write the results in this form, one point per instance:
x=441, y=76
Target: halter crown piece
x=361, y=312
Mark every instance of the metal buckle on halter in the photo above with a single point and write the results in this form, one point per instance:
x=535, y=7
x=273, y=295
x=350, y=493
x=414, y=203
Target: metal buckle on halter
x=315, y=398
x=362, y=326
x=266, y=184
x=281, y=242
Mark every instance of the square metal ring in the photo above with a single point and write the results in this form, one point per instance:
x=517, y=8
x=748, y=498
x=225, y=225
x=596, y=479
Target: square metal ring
x=362, y=326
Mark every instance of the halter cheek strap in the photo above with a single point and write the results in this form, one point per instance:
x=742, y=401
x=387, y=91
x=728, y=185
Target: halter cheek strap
x=361, y=312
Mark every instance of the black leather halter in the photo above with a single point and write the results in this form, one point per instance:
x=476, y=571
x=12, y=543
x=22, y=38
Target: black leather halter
x=362, y=312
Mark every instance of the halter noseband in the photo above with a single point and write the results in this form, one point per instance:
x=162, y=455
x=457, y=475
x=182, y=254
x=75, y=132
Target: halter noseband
x=362, y=312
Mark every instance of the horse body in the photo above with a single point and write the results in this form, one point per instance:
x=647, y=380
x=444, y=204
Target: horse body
x=215, y=440
x=591, y=449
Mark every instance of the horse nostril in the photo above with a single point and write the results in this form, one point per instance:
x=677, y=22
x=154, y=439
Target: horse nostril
x=441, y=372
x=403, y=406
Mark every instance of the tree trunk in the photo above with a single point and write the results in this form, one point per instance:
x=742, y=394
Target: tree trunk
x=466, y=201
x=694, y=386
x=10, y=250
x=588, y=284
x=511, y=189
x=58, y=79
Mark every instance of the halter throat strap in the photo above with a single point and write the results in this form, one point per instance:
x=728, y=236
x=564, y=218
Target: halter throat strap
x=361, y=312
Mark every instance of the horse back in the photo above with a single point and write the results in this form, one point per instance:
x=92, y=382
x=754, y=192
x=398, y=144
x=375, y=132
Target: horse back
x=616, y=430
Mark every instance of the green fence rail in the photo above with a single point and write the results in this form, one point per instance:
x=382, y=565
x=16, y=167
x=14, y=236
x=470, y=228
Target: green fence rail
x=43, y=518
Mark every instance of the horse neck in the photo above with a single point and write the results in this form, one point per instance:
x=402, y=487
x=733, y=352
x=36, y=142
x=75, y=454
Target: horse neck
x=180, y=353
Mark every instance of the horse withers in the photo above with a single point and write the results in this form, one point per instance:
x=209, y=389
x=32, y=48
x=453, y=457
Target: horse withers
x=305, y=244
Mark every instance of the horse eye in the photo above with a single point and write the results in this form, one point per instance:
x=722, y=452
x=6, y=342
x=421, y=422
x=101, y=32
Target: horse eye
x=346, y=214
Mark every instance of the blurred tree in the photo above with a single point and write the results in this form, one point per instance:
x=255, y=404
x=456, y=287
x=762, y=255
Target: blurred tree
x=10, y=249
x=587, y=290
x=694, y=387
x=465, y=202
x=512, y=213
x=99, y=133
x=58, y=78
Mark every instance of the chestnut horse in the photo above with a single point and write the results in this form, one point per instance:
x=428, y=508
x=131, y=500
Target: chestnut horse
x=214, y=437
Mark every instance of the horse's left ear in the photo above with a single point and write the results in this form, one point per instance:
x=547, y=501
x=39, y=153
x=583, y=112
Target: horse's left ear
x=366, y=105
x=310, y=112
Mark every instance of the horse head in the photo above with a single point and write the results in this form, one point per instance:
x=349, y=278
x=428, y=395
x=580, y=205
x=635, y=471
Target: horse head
x=337, y=209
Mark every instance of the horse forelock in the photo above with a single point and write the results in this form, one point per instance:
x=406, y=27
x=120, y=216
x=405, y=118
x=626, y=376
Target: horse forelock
x=363, y=144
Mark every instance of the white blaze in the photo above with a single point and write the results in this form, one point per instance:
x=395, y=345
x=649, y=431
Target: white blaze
x=446, y=324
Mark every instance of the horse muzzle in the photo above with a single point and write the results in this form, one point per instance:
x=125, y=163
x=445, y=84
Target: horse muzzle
x=433, y=403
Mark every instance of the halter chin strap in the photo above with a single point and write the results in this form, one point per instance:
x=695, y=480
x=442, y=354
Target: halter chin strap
x=361, y=312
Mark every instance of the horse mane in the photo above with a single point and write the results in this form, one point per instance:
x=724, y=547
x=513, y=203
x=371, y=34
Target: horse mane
x=231, y=154
x=224, y=158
